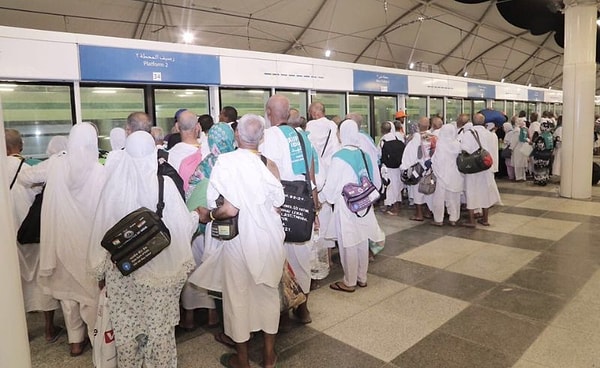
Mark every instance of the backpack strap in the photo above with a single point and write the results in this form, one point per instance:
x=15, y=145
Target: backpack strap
x=160, y=206
x=12, y=183
x=326, y=141
x=476, y=135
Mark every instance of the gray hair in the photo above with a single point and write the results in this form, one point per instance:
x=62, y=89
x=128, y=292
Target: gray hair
x=187, y=121
x=251, y=129
x=356, y=117
x=137, y=121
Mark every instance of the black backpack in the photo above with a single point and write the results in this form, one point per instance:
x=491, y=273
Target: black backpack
x=391, y=153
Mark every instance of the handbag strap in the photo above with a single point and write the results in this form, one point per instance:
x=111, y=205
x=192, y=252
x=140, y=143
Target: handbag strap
x=16, y=174
x=476, y=135
x=307, y=175
x=366, y=166
x=369, y=176
x=326, y=141
x=160, y=206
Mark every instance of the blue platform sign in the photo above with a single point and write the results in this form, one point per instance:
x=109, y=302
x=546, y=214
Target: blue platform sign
x=379, y=82
x=114, y=64
x=481, y=90
x=533, y=95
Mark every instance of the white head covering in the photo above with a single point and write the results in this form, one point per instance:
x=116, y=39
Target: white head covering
x=444, y=159
x=133, y=183
x=521, y=122
x=57, y=144
x=507, y=127
x=71, y=197
x=117, y=138
x=349, y=133
x=82, y=148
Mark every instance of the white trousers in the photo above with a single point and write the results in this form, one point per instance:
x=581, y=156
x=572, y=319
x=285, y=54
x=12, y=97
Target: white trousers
x=443, y=198
x=77, y=316
x=355, y=262
x=298, y=256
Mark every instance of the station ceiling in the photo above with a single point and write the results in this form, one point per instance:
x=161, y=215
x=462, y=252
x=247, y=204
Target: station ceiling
x=443, y=36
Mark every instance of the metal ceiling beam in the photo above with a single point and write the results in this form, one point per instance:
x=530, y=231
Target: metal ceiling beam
x=530, y=70
x=474, y=29
x=537, y=50
x=297, y=39
x=386, y=29
x=139, y=20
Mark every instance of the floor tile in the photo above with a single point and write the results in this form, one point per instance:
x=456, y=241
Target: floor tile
x=506, y=222
x=326, y=352
x=493, y=262
x=564, y=265
x=528, y=303
x=560, y=348
x=522, y=363
x=494, y=330
x=544, y=203
x=402, y=271
x=442, y=350
x=329, y=307
x=203, y=346
x=509, y=240
x=546, y=228
x=442, y=252
x=398, y=323
x=509, y=200
x=579, y=316
x=413, y=237
x=546, y=282
x=524, y=211
x=456, y=285
x=590, y=292
x=572, y=217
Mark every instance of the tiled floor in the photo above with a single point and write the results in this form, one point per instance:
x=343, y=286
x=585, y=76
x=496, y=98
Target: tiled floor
x=523, y=292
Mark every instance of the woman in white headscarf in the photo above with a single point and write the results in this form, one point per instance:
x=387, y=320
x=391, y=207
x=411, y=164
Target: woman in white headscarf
x=144, y=306
x=521, y=150
x=74, y=180
x=351, y=232
x=450, y=181
x=511, y=137
x=117, y=138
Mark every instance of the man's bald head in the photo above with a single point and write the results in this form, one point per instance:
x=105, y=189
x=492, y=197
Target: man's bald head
x=277, y=109
x=14, y=141
x=316, y=110
x=423, y=124
x=462, y=120
x=478, y=119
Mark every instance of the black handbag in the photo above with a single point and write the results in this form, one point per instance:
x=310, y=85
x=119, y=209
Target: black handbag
x=298, y=210
x=138, y=237
x=478, y=161
x=226, y=229
x=29, y=231
x=506, y=152
x=412, y=175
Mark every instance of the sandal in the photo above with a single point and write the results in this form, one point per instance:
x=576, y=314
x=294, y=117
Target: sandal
x=225, y=359
x=81, y=345
x=224, y=339
x=468, y=224
x=361, y=284
x=440, y=224
x=57, y=332
x=340, y=286
x=417, y=219
x=482, y=222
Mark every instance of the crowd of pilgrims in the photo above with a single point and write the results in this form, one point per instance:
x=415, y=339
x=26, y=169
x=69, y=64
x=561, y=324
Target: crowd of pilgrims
x=240, y=161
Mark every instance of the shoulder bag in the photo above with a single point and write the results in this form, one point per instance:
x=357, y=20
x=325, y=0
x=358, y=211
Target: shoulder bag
x=138, y=237
x=471, y=163
x=427, y=182
x=298, y=210
x=359, y=197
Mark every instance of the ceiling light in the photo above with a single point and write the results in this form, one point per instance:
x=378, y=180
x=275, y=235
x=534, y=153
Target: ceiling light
x=466, y=73
x=529, y=85
x=502, y=80
x=188, y=37
x=411, y=65
x=327, y=53
x=421, y=18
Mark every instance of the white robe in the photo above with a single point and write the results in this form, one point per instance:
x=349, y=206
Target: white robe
x=351, y=232
x=252, y=262
x=394, y=189
x=276, y=148
x=319, y=129
x=179, y=152
x=29, y=254
x=480, y=188
x=557, y=150
x=450, y=181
